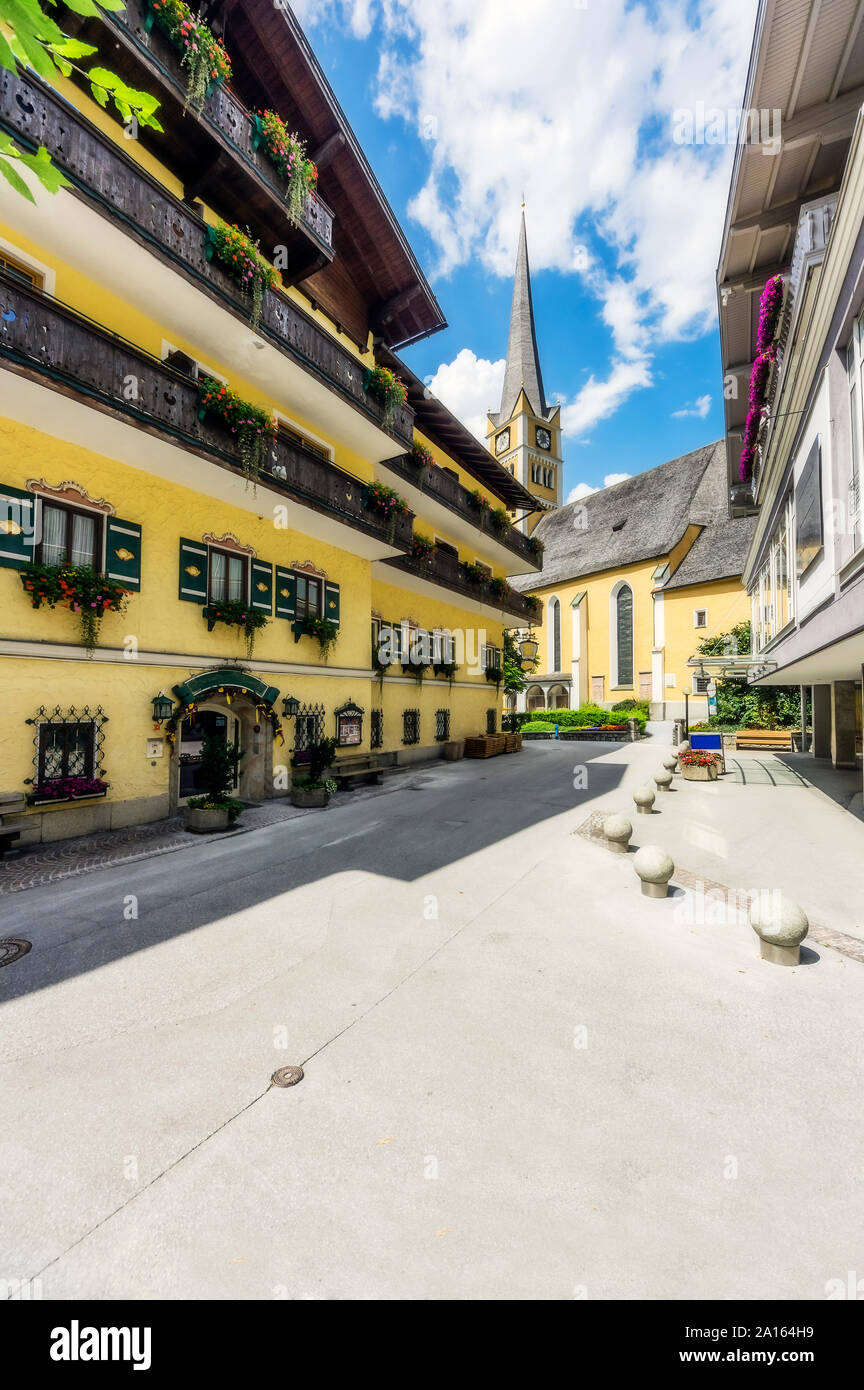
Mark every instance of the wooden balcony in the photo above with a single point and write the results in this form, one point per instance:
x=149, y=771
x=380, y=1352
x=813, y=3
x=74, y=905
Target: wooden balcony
x=447, y=570
x=49, y=343
x=210, y=153
x=444, y=488
x=114, y=185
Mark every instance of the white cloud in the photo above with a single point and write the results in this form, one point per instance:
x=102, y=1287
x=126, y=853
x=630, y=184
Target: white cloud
x=585, y=489
x=469, y=386
x=698, y=408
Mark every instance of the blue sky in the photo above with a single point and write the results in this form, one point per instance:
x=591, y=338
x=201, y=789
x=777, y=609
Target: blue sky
x=464, y=105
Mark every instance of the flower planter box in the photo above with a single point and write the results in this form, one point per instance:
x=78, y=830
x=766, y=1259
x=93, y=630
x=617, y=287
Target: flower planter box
x=310, y=796
x=709, y=773
x=203, y=820
x=65, y=800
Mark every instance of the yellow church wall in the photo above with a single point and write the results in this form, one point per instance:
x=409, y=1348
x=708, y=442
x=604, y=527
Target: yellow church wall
x=598, y=589
x=726, y=603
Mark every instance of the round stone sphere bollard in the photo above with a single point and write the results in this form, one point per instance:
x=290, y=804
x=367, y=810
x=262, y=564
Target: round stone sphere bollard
x=781, y=926
x=655, y=868
x=684, y=747
x=644, y=798
x=663, y=778
x=617, y=830
x=671, y=763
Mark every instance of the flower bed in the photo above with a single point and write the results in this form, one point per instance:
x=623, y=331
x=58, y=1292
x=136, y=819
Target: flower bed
x=287, y=153
x=201, y=53
x=239, y=254
x=78, y=588
x=255, y=428
x=388, y=389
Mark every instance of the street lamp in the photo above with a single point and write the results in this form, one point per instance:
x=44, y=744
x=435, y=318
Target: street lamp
x=687, y=693
x=163, y=708
x=290, y=707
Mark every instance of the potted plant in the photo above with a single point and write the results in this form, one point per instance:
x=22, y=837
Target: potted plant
x=287, y=153
x=201, y=53
x=56, y=789
x=697, y=765
x=500, y=520
x=378, y=497
x=217, y=808
x=479, y=500
x=422, y=548
x=315, y=789
x=476, y=574
x=239, y=254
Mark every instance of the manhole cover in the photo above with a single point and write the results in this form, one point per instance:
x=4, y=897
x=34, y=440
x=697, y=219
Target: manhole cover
x=13, y=949
x=287, y=1076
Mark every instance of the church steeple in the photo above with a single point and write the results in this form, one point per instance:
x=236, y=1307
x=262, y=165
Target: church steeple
x=523, y=359
x=525, y=435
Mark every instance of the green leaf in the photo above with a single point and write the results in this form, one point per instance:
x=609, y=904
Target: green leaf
x=73, y=48
x=99, y=94
x=12, y=176
x=7, y=57
x=47, y=173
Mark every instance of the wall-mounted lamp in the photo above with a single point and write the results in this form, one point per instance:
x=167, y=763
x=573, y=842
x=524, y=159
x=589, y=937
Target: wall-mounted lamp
x=290, y=707
x=163, y=708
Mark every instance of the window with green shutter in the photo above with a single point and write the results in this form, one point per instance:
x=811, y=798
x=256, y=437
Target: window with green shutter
x=123, y=552
x=261, y=596
x=194, y=562
x=332, y=602
x=17, y=527
x=286, y=593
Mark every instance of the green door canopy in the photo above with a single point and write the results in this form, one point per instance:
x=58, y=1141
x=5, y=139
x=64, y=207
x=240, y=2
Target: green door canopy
x=209, y=683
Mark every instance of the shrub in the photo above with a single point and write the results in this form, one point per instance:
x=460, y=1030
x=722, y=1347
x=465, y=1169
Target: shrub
x=537, y=726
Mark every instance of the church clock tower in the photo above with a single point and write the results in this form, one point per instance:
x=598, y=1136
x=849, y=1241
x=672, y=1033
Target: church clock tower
x=525, y=435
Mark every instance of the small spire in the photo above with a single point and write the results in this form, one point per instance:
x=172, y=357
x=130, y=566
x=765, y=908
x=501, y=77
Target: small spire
x=523, y=360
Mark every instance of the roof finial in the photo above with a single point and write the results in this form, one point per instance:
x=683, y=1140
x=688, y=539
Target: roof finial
x=523, y=201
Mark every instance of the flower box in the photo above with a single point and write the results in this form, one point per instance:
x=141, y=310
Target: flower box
x=36, y=800
x=696, y=772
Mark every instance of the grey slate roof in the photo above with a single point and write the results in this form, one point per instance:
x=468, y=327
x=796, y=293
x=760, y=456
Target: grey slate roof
x=656, y=508
x=523, y=358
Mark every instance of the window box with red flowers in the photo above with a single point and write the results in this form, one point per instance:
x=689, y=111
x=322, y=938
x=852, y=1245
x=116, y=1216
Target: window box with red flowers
x=235, y=613
x=80, y=589
x=201, y=53
x=254, y=428
x=386, y=387
x=287, y=153
x=58, y=790
x=239, y=254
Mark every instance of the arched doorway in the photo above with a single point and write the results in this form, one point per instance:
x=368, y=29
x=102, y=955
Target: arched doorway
x=535, y=698
x=557, y=697
x=228, y=704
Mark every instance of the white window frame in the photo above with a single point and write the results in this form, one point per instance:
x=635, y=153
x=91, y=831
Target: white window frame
x=49, y=276
x=168, y=348
x=697, y=613
x=295, y=425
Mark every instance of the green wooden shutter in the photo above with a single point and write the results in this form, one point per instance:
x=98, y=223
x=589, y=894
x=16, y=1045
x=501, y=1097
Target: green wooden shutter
x=286, y=593
x=17, y=527
x=193, y=571
x=262, y=586
x=332, y=607
x=123, y=552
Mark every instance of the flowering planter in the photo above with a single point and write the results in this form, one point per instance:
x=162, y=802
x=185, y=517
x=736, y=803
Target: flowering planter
x=203, y=820
x=37, y=800
x=707, y=772
x=310, y=796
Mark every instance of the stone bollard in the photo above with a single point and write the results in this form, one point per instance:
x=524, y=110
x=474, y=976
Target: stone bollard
x=617, y=830
x=671, y=763
x=663, y=778
x=644, y=798
x=684, y=747
x=655, y=869
x=781, y=927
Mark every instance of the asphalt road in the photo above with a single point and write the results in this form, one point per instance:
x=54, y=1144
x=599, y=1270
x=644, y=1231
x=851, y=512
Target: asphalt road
x=522, y=1079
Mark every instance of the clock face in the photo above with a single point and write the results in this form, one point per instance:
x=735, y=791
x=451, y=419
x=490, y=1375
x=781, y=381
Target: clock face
x=502, y=441
x=544, y=439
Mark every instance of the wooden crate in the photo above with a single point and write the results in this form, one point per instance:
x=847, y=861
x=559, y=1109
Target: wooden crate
x=513, y=742
x=484, y=746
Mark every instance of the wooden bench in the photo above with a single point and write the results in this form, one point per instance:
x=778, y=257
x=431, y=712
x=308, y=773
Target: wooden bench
x=351, y=772
x=764, y=738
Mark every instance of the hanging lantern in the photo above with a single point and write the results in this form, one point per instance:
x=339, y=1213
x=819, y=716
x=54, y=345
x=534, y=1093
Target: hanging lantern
x=163, y=708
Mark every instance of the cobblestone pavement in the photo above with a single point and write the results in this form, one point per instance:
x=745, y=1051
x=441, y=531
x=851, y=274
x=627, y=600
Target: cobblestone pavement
x=51, y=863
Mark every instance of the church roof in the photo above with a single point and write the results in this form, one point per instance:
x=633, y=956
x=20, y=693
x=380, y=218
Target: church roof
x=644, y=518
x=523, y=359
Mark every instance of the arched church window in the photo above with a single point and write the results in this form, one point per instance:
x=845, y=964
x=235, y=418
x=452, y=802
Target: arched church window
x=622, y=634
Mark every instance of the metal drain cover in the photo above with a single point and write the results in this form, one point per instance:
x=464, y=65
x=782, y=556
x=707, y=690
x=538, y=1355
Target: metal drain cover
x=287, y=1076
x=13, y=949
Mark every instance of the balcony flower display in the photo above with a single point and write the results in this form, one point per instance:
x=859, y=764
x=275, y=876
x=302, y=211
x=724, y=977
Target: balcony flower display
x=422, y=548
x=201, y=53
x=535, y=545
x=378, y=497
x=479, y=499
x=78, y=588
x=287, y=153
x=323, y=630
x=476, y=574
x=239, y=254
x=770, y=304
x=254, y=427
x=500, y=520
x=388, y=389
x=234, y=613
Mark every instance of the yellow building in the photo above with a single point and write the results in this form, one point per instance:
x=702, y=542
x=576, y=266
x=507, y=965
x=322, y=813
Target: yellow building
x=122, y=329
x=634, y=577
